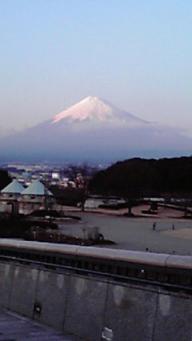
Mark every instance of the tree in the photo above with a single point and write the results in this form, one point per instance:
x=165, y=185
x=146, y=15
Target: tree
x=5, y=179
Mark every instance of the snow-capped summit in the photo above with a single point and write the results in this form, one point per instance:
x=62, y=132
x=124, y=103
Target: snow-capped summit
x=93, y=129
x=95, y=109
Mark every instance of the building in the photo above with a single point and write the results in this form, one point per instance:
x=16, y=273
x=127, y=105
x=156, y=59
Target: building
x=35, y=197
x=15, y=198
x=9, y=197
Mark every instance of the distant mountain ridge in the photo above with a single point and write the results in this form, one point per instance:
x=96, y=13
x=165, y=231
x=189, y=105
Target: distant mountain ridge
x=93, y=130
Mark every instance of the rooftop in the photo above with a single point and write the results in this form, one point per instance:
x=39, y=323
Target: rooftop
x=14, y=188
x=36, y=188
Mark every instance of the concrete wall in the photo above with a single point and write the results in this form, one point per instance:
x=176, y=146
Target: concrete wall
x=91, y=307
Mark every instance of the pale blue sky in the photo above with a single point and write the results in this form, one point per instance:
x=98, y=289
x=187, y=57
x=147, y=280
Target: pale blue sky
x=136, y=54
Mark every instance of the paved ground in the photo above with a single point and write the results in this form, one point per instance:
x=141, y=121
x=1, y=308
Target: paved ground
x=137, y=233
x=16, y=328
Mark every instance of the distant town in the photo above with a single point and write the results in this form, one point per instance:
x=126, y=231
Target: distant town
x=66, y=176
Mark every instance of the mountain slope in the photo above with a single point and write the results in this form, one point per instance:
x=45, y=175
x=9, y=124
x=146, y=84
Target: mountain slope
x=96, y=110
x=93, y=129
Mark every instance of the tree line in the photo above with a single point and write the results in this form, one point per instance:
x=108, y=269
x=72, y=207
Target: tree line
x=145, y=177
x=5, y=179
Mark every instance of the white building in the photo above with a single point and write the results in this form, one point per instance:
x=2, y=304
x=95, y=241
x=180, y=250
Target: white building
x=35, y=197
x=9, y=197
x=15, y=198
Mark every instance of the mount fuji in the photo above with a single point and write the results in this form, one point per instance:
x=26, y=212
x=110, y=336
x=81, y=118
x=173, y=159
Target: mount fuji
x=93, y=130
x=94, y=110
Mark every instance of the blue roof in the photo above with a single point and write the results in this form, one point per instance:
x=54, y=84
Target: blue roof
x=36, y=188
x=13, y=188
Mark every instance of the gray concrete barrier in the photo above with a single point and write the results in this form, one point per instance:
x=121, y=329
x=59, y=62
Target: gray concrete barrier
x=96, y=309
x=6, y=283
x=85, y=309
x=130, y=312
x=23, y=291
x=174, y=317
x=52, y=295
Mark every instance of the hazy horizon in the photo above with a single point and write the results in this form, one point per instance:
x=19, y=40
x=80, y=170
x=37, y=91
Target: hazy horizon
x=135, y=55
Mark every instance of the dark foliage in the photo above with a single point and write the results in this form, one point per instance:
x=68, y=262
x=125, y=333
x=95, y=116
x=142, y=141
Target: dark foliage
x=44, y=213
x=68, y=196
x=51, y=237
x=17, y=226
x=4, y=178
x=138, y=177
x=52, y=214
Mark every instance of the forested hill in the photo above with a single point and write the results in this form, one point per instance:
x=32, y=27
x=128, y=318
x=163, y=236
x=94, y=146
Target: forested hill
x=145, y=177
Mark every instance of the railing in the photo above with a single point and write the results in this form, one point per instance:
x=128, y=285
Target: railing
x=170, y=271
